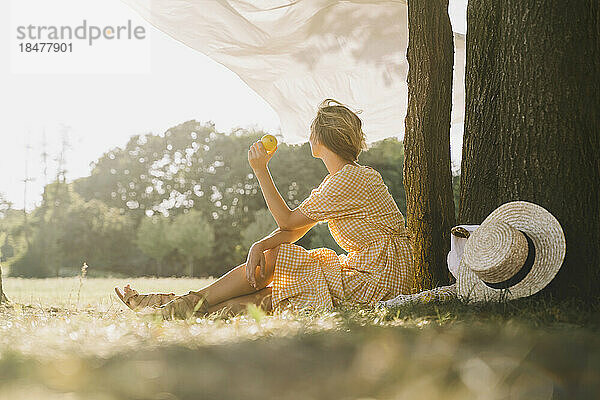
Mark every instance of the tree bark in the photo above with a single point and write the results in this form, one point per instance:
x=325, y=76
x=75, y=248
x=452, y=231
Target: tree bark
x=532, y=122
x=3, y=298
x=427, y=167
x=191, y=266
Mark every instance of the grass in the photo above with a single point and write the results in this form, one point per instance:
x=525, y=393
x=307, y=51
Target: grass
x=60, y=342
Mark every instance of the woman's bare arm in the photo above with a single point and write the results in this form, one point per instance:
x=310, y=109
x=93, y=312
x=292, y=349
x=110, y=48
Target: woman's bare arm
x=279, y=236
x=256, y=254
x=286, y=219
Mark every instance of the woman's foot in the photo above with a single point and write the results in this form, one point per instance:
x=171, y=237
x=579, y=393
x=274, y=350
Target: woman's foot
x=183, y=307
x=136, y=301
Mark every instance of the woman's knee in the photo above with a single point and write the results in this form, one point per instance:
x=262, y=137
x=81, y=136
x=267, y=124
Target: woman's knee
x=264, y=299
x=271, y=256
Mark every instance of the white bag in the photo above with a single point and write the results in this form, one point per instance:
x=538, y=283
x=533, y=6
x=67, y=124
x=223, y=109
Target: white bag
x=457, y=246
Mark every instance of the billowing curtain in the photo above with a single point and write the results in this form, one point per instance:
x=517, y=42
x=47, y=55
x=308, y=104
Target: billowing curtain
x=294, y=54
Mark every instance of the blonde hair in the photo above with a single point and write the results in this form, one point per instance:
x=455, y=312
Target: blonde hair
x=339, y=129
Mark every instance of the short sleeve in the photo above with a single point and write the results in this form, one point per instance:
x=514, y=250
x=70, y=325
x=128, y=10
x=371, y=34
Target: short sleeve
x=341, y=195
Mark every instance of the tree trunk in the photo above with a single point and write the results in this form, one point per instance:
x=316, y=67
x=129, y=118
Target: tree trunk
x=427, y=168
x=191, y=266
x=532, y=122
x=3, y=298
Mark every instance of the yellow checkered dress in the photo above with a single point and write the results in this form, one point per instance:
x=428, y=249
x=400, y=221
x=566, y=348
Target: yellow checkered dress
x=364, y=220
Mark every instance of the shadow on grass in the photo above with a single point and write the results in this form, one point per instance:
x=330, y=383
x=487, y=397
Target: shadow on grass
x=457, y=362
x=525, y=349
x=537, y=312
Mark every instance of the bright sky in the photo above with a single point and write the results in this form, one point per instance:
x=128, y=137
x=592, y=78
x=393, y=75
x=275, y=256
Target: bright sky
x=100, y=111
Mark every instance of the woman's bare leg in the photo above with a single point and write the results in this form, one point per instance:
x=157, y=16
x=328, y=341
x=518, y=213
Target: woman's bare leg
x=135, y=301
x=262, y=299
x=234, y=284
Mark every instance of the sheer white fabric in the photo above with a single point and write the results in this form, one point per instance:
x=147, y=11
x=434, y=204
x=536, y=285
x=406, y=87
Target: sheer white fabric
x=296, y=53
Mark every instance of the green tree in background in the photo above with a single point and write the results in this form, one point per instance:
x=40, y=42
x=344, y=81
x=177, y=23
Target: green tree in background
x=104, y=219
x=5, y=206
x=83, y=231
x=42, y=257
x=152, y=239
x=6, y=251
x=192, y=166
x=263, y=225
x=387, y=157
x=321, y=237
x=191, y=234
x=89, y=222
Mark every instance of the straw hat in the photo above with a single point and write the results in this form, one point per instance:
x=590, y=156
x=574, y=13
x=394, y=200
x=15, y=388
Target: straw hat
x=515, y=252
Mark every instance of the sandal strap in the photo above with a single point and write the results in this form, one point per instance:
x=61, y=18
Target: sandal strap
x=185, y=306
x=128, y=295
x=146, y=300
x=200, y=303
x=149, y=300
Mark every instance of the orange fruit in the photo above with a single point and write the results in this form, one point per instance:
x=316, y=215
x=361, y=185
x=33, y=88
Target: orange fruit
x=270, y=142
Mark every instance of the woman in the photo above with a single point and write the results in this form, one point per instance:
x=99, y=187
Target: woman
x=362, y=217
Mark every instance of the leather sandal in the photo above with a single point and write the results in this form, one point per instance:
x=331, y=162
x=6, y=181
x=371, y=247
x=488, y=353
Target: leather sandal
x=183, y=307
x=136, y=301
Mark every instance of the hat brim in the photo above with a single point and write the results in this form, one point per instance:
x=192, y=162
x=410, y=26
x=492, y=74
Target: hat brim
x=550, y=248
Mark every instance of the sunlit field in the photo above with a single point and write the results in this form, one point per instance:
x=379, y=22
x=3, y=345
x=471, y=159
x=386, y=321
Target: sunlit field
x=68, y=338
